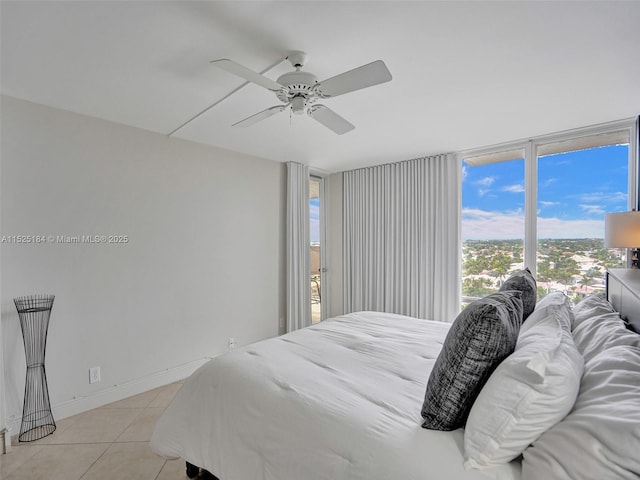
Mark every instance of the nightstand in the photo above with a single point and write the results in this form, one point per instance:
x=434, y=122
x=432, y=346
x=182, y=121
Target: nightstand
x=623, y=291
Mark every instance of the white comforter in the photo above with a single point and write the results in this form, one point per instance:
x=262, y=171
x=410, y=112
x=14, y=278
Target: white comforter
x=336, y=401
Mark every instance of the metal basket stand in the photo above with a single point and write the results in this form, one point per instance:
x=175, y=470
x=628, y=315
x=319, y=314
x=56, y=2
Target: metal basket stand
x=37, y=419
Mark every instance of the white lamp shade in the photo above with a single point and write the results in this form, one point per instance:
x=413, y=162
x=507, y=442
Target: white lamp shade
x=622, y=230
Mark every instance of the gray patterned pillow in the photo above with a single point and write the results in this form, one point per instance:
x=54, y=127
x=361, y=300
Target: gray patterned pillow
x=523, y=281
x=481, y=336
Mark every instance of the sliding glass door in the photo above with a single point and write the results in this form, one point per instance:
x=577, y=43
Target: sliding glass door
x=315, y=254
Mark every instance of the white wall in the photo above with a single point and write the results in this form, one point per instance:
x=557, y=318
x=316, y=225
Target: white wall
x=203, y=262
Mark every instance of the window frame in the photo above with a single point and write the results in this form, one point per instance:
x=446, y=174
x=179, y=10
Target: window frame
x=321, y=177
x=528, y=149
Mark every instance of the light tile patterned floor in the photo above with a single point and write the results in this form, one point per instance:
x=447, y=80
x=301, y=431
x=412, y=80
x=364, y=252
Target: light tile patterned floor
x=108, y=443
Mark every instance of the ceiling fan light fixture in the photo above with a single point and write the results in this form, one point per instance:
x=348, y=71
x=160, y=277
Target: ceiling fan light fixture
x=298, y=105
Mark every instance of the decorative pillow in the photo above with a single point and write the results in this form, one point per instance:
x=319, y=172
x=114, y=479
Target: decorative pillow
x=597, y=326
x=523, y=281
x=530, y=391
x=482, y=335
x=600, y=438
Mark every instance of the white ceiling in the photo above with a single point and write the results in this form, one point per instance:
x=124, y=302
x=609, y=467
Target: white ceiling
x=465, y=74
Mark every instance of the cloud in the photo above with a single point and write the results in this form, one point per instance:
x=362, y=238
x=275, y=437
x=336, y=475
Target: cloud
x=549, y=181
x=507, y=225
x=593, y=209
x=477, y=213
x=602, y=197
x=485, y=181
x=557, y=228
x=517, y=188
x=544, y=203
x=486, y=225
x=465, y=172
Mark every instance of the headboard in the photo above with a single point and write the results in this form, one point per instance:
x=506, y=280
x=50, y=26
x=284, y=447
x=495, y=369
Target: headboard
x=623, y=291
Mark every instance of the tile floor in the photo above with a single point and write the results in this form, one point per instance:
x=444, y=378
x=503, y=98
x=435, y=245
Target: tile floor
x=108, y=443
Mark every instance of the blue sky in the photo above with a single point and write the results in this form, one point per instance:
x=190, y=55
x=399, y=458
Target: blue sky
x=314, y=216
x=575, y=189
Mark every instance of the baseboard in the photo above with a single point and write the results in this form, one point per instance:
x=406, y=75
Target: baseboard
x=116, y=392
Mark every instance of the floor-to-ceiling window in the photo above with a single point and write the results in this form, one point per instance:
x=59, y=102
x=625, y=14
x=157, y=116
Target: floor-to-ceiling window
x=578, y=184
x=492, y=223
x=542, y=204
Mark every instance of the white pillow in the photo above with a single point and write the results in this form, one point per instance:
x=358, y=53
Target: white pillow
x=530, y=391
x=591, y=306
x=554, y=300
x=598, y=327
x=600, y=438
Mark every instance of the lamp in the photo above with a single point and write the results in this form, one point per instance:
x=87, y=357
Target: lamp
x=622, y=230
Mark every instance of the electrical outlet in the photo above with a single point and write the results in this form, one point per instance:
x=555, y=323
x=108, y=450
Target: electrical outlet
x=232, y=343
x=94, y=374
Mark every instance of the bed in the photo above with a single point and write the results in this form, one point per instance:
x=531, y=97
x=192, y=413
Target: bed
x=342, y=400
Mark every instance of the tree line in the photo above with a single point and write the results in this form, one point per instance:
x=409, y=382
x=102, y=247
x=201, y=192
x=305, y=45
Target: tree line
x=555, y=263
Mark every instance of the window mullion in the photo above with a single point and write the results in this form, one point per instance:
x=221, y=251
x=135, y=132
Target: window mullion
x=530, y=206
x=634, y=166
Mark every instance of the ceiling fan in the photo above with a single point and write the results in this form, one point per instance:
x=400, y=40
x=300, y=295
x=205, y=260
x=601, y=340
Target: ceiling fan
x=301, y=90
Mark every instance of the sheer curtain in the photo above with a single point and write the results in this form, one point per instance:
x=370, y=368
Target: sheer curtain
x=401, y=240
x=298, y=274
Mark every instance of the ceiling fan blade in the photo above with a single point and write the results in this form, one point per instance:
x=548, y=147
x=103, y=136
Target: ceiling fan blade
x=255, y=118
x=362, y=77
x=246, y=73
x=330, y=119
